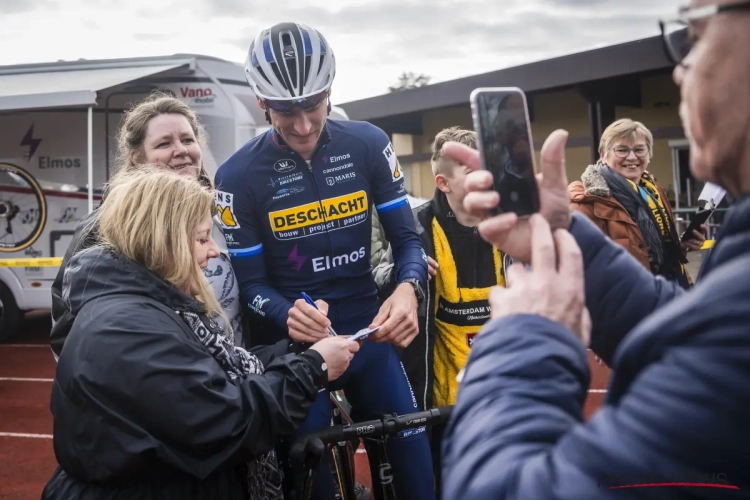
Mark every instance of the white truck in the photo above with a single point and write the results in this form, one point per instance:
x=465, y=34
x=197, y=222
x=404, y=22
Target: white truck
x=58, y=123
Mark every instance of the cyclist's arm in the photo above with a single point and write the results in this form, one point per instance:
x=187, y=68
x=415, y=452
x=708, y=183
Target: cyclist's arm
x=395, y=213
x=235, y=199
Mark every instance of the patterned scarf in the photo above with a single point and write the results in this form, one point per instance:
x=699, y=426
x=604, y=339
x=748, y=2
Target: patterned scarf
x=264, y=475
x=622, y=190
x=659, y=234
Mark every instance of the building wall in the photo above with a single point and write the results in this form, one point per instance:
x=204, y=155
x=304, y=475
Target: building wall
x=565, y=109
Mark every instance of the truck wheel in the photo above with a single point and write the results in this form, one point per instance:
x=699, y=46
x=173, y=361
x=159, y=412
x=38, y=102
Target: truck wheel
x=10, y=314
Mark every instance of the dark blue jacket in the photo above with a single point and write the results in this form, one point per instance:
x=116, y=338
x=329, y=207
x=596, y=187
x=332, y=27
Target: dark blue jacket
x=295, y=227
x=678, y=405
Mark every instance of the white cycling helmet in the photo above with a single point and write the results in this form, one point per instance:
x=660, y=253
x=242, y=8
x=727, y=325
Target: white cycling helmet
x=289, y=61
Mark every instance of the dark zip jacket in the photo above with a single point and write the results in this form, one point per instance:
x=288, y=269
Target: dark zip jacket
x=676, y=411
x=142, y=410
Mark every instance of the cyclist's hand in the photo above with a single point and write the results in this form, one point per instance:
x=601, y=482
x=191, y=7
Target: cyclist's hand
x=553, y=287
x=432, y=267
x=337, y=352
x=307, y=324
x=397, y=318
x=506, y=231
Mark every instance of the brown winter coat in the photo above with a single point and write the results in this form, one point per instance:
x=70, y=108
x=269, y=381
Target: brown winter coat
x=591, y=196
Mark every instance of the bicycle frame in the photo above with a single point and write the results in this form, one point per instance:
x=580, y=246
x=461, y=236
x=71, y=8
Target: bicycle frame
x=380, y=469
x=342, y=452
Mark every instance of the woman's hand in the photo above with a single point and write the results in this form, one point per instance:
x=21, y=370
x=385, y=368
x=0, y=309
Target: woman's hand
x=337, y=353
x=695, y=243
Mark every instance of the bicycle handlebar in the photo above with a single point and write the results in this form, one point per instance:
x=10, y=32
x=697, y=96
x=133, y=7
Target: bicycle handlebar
x=385, y=426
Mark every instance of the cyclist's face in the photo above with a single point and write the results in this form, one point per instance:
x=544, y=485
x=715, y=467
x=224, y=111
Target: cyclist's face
x=301, y=128
x=205, y=246
x=170, y=141
x=630, y=164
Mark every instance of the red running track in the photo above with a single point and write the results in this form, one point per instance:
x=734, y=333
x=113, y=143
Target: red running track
x=27, y=459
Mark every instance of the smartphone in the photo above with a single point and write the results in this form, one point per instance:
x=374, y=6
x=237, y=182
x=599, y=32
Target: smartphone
x=700, y=217
x=506, y=148
x=712, y=195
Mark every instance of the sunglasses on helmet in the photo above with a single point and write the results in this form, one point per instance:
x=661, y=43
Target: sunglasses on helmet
x=288, y=106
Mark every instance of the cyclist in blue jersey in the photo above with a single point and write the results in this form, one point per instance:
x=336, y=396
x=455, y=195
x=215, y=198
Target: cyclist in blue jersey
x=296, y=207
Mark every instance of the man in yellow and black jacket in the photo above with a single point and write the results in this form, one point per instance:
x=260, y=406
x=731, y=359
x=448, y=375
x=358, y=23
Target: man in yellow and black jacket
x=463, y=269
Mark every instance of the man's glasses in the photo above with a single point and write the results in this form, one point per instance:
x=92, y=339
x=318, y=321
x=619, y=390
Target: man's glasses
x=624, y=151
x=288, y=106
x=676, y=32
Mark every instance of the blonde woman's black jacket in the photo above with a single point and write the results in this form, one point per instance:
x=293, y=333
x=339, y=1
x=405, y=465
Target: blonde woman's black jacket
x=141, y=408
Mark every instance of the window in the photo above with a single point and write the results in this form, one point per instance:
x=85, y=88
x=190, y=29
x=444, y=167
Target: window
x=687, y=186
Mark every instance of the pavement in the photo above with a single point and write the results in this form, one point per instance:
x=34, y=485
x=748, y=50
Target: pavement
x=27, y=368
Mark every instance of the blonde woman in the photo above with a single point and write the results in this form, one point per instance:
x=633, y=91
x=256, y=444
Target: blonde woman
x=160, y=130
x=621, y=197
x=151, y=399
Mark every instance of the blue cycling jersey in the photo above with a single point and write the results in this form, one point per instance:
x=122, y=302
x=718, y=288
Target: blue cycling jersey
x=293, y=226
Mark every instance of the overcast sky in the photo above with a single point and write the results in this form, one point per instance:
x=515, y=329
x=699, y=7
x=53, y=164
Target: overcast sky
x=374, y=41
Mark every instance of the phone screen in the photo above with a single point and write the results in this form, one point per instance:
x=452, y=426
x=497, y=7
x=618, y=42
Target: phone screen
x=506, y=147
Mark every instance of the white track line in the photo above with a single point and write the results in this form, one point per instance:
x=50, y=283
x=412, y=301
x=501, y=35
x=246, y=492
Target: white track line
x=25, y=345
x=24, y=435
x=22, y=379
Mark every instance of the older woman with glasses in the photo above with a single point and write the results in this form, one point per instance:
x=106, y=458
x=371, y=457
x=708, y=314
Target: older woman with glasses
x=626, y=202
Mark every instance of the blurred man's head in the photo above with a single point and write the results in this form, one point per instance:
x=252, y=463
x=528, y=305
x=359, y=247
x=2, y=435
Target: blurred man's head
x=449, y=175
x=714, y=80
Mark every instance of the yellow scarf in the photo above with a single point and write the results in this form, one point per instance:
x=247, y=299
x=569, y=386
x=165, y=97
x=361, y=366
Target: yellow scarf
x=659, y=210
x=655, y=204
x=459, y=315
